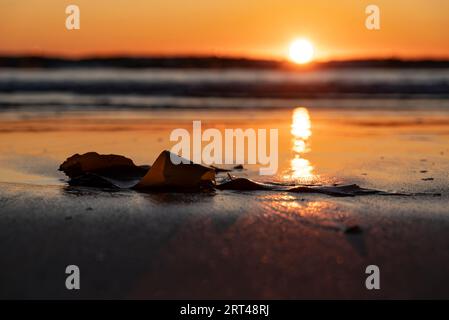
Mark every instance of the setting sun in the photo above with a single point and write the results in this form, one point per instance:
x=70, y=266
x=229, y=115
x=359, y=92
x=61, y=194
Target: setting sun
x=301, y=51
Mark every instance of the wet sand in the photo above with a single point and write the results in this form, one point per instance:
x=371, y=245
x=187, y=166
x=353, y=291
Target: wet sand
x=228, y=244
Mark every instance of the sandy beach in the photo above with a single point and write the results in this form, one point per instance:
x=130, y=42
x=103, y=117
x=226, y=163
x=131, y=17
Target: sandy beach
x=228, y=244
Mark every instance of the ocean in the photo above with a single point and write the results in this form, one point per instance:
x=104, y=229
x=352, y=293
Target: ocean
x=117, y=88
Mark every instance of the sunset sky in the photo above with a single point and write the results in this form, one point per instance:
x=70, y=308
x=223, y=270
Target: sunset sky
x=250, y=28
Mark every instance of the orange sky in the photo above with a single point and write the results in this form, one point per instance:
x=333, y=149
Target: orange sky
x=252, y=28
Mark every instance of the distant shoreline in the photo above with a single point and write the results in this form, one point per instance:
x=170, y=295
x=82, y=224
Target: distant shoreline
x=208, y=62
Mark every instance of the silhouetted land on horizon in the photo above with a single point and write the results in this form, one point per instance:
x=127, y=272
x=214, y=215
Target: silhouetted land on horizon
x=204, y=63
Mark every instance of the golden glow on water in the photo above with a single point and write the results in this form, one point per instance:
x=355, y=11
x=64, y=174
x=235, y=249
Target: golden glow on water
x=301, y=168
x=301, y=125
x=301, y=130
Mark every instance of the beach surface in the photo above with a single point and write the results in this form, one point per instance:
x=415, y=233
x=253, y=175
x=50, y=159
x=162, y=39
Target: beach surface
x=229, y=244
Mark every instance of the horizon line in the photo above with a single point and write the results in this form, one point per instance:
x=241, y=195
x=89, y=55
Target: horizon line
x=55, y=54
x=214, y=56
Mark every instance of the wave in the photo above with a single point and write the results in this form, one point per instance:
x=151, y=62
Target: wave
x=215, y=88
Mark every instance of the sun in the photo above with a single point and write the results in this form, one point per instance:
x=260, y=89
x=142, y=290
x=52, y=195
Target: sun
x=301, y=51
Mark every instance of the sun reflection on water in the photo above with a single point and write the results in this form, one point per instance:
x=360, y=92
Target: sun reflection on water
x=301, y=130
x=301, y=168
x=301, y=125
